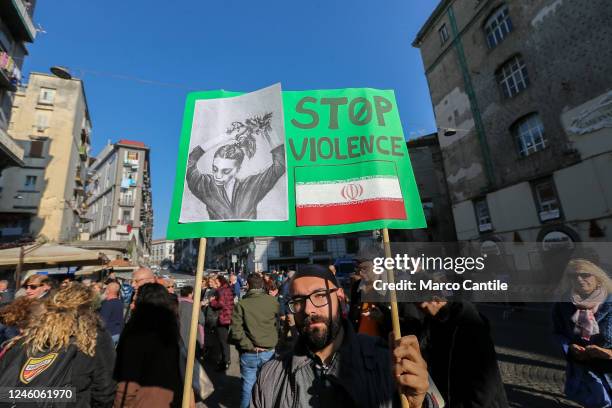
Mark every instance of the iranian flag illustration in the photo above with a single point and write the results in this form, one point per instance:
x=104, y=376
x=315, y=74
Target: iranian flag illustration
x=344, y=194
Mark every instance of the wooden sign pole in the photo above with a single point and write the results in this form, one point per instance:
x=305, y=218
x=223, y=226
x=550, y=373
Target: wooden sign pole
x=193, y=330
x=397, y=333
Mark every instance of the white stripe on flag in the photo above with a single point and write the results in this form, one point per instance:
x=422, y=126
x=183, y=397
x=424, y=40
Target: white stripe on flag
x=332, y=192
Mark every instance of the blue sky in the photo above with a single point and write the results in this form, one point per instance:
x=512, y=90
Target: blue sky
x=193, y=45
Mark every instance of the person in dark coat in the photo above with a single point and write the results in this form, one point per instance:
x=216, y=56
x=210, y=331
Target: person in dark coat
x=461, y=356
x=147, y=368
x=583, y=328
x=224, y=303
x=6, y=294
x=111, y=311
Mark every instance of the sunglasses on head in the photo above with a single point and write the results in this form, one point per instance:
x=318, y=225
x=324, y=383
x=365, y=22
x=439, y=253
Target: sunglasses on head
x=30, y=286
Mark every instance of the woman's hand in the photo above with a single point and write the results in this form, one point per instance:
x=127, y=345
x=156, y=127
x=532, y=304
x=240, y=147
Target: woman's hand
x=577, y=352
x=593, y=351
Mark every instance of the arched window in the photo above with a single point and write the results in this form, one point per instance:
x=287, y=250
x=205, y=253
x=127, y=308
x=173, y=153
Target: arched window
x=529, y=134
x=498, y=26
x=512, y=76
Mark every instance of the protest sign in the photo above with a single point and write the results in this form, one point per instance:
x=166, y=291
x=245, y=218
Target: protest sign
x=293, y=163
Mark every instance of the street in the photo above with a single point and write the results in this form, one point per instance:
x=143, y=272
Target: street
x=531, y=365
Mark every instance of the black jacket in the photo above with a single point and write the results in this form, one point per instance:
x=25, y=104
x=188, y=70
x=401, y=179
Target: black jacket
x=148, y=353
x=461, y=358
x=359, y=375
x=93, y=376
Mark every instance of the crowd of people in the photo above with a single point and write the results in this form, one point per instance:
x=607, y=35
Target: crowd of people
x=302, y=340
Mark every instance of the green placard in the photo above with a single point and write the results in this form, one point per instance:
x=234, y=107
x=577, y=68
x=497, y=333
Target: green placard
x=348, y=142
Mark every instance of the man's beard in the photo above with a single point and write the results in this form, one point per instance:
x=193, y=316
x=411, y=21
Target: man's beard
x=318, y=338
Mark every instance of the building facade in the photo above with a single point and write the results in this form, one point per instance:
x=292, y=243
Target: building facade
x=162, y=251
x=51, y=123
x=428, y=168
x=186, y=254
x=522, y=95
x=119, y=199
x=284, y=253
x=16, y=30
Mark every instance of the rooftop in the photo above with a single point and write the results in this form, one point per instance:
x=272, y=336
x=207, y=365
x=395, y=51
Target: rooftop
x=133, y=143
x=440, y=8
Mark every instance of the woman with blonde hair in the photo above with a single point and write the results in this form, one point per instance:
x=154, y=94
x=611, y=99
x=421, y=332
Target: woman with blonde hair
x=65, y=345
x=14, y=318
x=583, y=325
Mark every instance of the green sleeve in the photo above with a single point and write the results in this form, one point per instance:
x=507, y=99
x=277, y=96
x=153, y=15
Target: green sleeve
x=239, y=336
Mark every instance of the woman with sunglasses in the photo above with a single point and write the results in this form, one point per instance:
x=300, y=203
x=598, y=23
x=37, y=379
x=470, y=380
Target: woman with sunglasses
x=583, y=325
x=37, y=286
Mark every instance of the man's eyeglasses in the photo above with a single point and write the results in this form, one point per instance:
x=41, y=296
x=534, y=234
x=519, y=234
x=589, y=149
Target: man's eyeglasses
x=318, y=298
x=31, y=287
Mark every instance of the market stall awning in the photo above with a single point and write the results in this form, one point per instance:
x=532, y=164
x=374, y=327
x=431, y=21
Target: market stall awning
x=50, y=255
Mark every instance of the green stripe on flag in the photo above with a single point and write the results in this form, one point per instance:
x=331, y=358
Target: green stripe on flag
x=345, y=172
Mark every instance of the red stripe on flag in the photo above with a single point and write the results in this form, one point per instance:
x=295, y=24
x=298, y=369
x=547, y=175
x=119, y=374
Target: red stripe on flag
x=349, y=213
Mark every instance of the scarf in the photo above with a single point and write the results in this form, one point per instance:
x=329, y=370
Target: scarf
x=585, y=324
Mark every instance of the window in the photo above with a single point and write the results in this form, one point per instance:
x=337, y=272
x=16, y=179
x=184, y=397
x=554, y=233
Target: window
x=30, y=183
x=36, y=148
x=483, y=217
x=352, y=245
x=498, y=26
x=286, y=248
x=319, y=245
x=42, y=120
x=46, y=96
x=443, y=32
x=546, y=199
x=512, y=76
x=529, y=134
x=131, y=157
x=126, y=217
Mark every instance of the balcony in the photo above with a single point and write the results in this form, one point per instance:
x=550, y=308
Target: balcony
x=26, y=200
x=130, y=163
x=127, y=183
x=17, y=16
x=78, y=178
x=9, y=72
x=126, y=201
x=10, y=152
x=85, y=136
x=83, y=152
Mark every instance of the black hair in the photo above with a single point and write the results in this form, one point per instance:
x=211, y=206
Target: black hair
x=255, y=281
x=155, y=310
x=231, y=151
x=186, y=291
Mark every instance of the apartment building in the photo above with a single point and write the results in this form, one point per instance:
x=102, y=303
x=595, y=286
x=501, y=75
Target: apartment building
x=522, y=95
x=119, y=202
x=162, y=251
x=16, y=30
x=45, y=197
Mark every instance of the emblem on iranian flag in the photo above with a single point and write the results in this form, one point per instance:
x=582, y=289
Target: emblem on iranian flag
x=358, y=192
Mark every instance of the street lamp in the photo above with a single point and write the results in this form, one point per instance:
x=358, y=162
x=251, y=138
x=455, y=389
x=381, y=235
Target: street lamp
x=451, y=131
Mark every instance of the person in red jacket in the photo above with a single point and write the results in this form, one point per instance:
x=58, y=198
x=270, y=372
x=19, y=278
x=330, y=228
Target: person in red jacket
x=223, y=301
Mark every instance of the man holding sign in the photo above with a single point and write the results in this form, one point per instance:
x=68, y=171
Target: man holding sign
x=346, y=168
x=331, y=365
